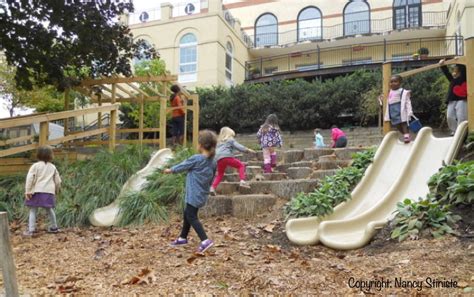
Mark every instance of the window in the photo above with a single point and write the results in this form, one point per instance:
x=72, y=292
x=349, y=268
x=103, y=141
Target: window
x=309, y=24
x=228, y=61
x=356, y=18
x=188, y=58
x=359, y=61
x=406, y=14
x=266, y=30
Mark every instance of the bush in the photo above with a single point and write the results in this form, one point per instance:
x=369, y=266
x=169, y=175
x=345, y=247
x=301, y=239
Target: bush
x=150, y=204
x=303, y=105
x=451, y=186
x=332, y=191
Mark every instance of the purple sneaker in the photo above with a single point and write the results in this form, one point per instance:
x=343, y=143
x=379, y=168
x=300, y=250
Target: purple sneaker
x=179, y=242
x=205, y=245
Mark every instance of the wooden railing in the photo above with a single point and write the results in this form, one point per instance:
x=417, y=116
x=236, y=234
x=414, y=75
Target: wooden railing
x=32, y=141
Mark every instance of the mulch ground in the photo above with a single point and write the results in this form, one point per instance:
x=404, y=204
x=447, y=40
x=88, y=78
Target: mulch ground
x=249, y=257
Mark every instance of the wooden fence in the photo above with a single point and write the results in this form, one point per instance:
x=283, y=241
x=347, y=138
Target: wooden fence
x=7, y=264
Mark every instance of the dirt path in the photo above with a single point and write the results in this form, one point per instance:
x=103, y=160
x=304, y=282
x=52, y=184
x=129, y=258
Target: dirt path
x=249, y=257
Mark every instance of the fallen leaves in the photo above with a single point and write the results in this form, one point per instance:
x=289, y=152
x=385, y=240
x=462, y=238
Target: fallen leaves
x=145, y=277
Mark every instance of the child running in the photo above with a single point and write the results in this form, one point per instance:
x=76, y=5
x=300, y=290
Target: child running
x=42, y=183
x=399, y=110
x=226, y=145
x=269, y=138
x=200, y=170
x=338, y=137
x=318, y=139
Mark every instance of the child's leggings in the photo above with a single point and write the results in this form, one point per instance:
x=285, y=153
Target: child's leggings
x=222, y=165
x=32, y=218
x=268, y=154
x=190, y=218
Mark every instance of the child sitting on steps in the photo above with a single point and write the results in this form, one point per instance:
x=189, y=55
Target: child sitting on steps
x=226, y=145
x=269, y=138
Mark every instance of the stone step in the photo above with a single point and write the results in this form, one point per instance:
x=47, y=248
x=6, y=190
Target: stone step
x=284, y=167
x=313, y=154
x=234, y=177
x=239, y=206
x=286, y=189
x=292, y=156
x=299, y=172
x=320, y=174
x=332, y=164
x=248, y=169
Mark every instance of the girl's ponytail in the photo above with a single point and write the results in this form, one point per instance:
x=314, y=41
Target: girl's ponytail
x=208, y=141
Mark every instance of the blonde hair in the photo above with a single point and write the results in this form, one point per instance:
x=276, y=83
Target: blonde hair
x=225, y=134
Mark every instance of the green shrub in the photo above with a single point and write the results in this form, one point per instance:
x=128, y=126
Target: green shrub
x=414, y=217
x=333, y=190
x=454, y=184
x=150, y=204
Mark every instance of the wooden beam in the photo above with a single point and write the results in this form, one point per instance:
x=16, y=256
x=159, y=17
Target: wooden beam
x=16, y=140
x=386, y=75
x=195, y=99
x=18, y=149
x=458, y=60
x=126, y=91
x=6, y=254
x=138, y=90
x=152, y=87
x=112, y=129
x=66, y=107
x=133, y=99
x=163, y=123
x=43, y=133
x=28, y=120
x=136, y=130
x=113, y=80
x=470, y=82
x=78, y=135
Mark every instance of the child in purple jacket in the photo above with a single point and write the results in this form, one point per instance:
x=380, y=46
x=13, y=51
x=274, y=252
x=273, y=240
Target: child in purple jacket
x=269, y=138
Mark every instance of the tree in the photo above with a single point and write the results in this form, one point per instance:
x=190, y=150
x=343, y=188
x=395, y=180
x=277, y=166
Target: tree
x=47, y=40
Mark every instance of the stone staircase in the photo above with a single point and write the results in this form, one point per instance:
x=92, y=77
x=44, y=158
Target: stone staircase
x=297, y=171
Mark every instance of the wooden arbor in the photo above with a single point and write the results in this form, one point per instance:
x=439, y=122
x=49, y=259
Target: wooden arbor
x=467, y=59
x=140, y=90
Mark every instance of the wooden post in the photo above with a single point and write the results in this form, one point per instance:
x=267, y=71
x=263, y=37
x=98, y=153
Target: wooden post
x=99, y=114
x=66, y=108
x=469, y=54
x=163, y=103
x=387, y=73
x=195, y=120
x=113, y=121
x=185, y=137
x=43, y=133
x=6, y=254
x=140, y=133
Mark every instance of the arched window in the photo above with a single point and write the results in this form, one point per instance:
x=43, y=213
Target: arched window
x=266, y=30
x=310, y=23
x=188, y=58
x=356, y=18
x=229, y=57
x=406, y=14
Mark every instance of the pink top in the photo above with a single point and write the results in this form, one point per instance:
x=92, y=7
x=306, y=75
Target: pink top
x=336, y=133
x=395, y=96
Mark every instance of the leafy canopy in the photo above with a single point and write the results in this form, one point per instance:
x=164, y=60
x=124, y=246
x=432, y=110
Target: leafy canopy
x=52, y=42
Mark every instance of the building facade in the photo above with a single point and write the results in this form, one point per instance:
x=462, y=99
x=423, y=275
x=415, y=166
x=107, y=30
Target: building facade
x=215, y=42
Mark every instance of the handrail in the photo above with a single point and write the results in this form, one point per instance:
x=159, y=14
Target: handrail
x=48, y=117
x=374, y=26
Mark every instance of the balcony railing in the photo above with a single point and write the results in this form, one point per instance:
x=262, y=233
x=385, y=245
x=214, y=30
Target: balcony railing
x=358, y=54
x=315, y=34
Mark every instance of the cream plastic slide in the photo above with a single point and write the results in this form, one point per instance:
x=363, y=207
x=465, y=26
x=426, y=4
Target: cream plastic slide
x=110, y=215
x=427, y=156
x=377, y=180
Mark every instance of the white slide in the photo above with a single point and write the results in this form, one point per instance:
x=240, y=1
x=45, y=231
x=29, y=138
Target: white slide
x=377, y=180
x=427, y=157
x=399, y=171
x=110, y=215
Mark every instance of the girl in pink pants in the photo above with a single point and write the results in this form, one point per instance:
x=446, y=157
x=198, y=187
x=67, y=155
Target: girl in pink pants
x=226, y=147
